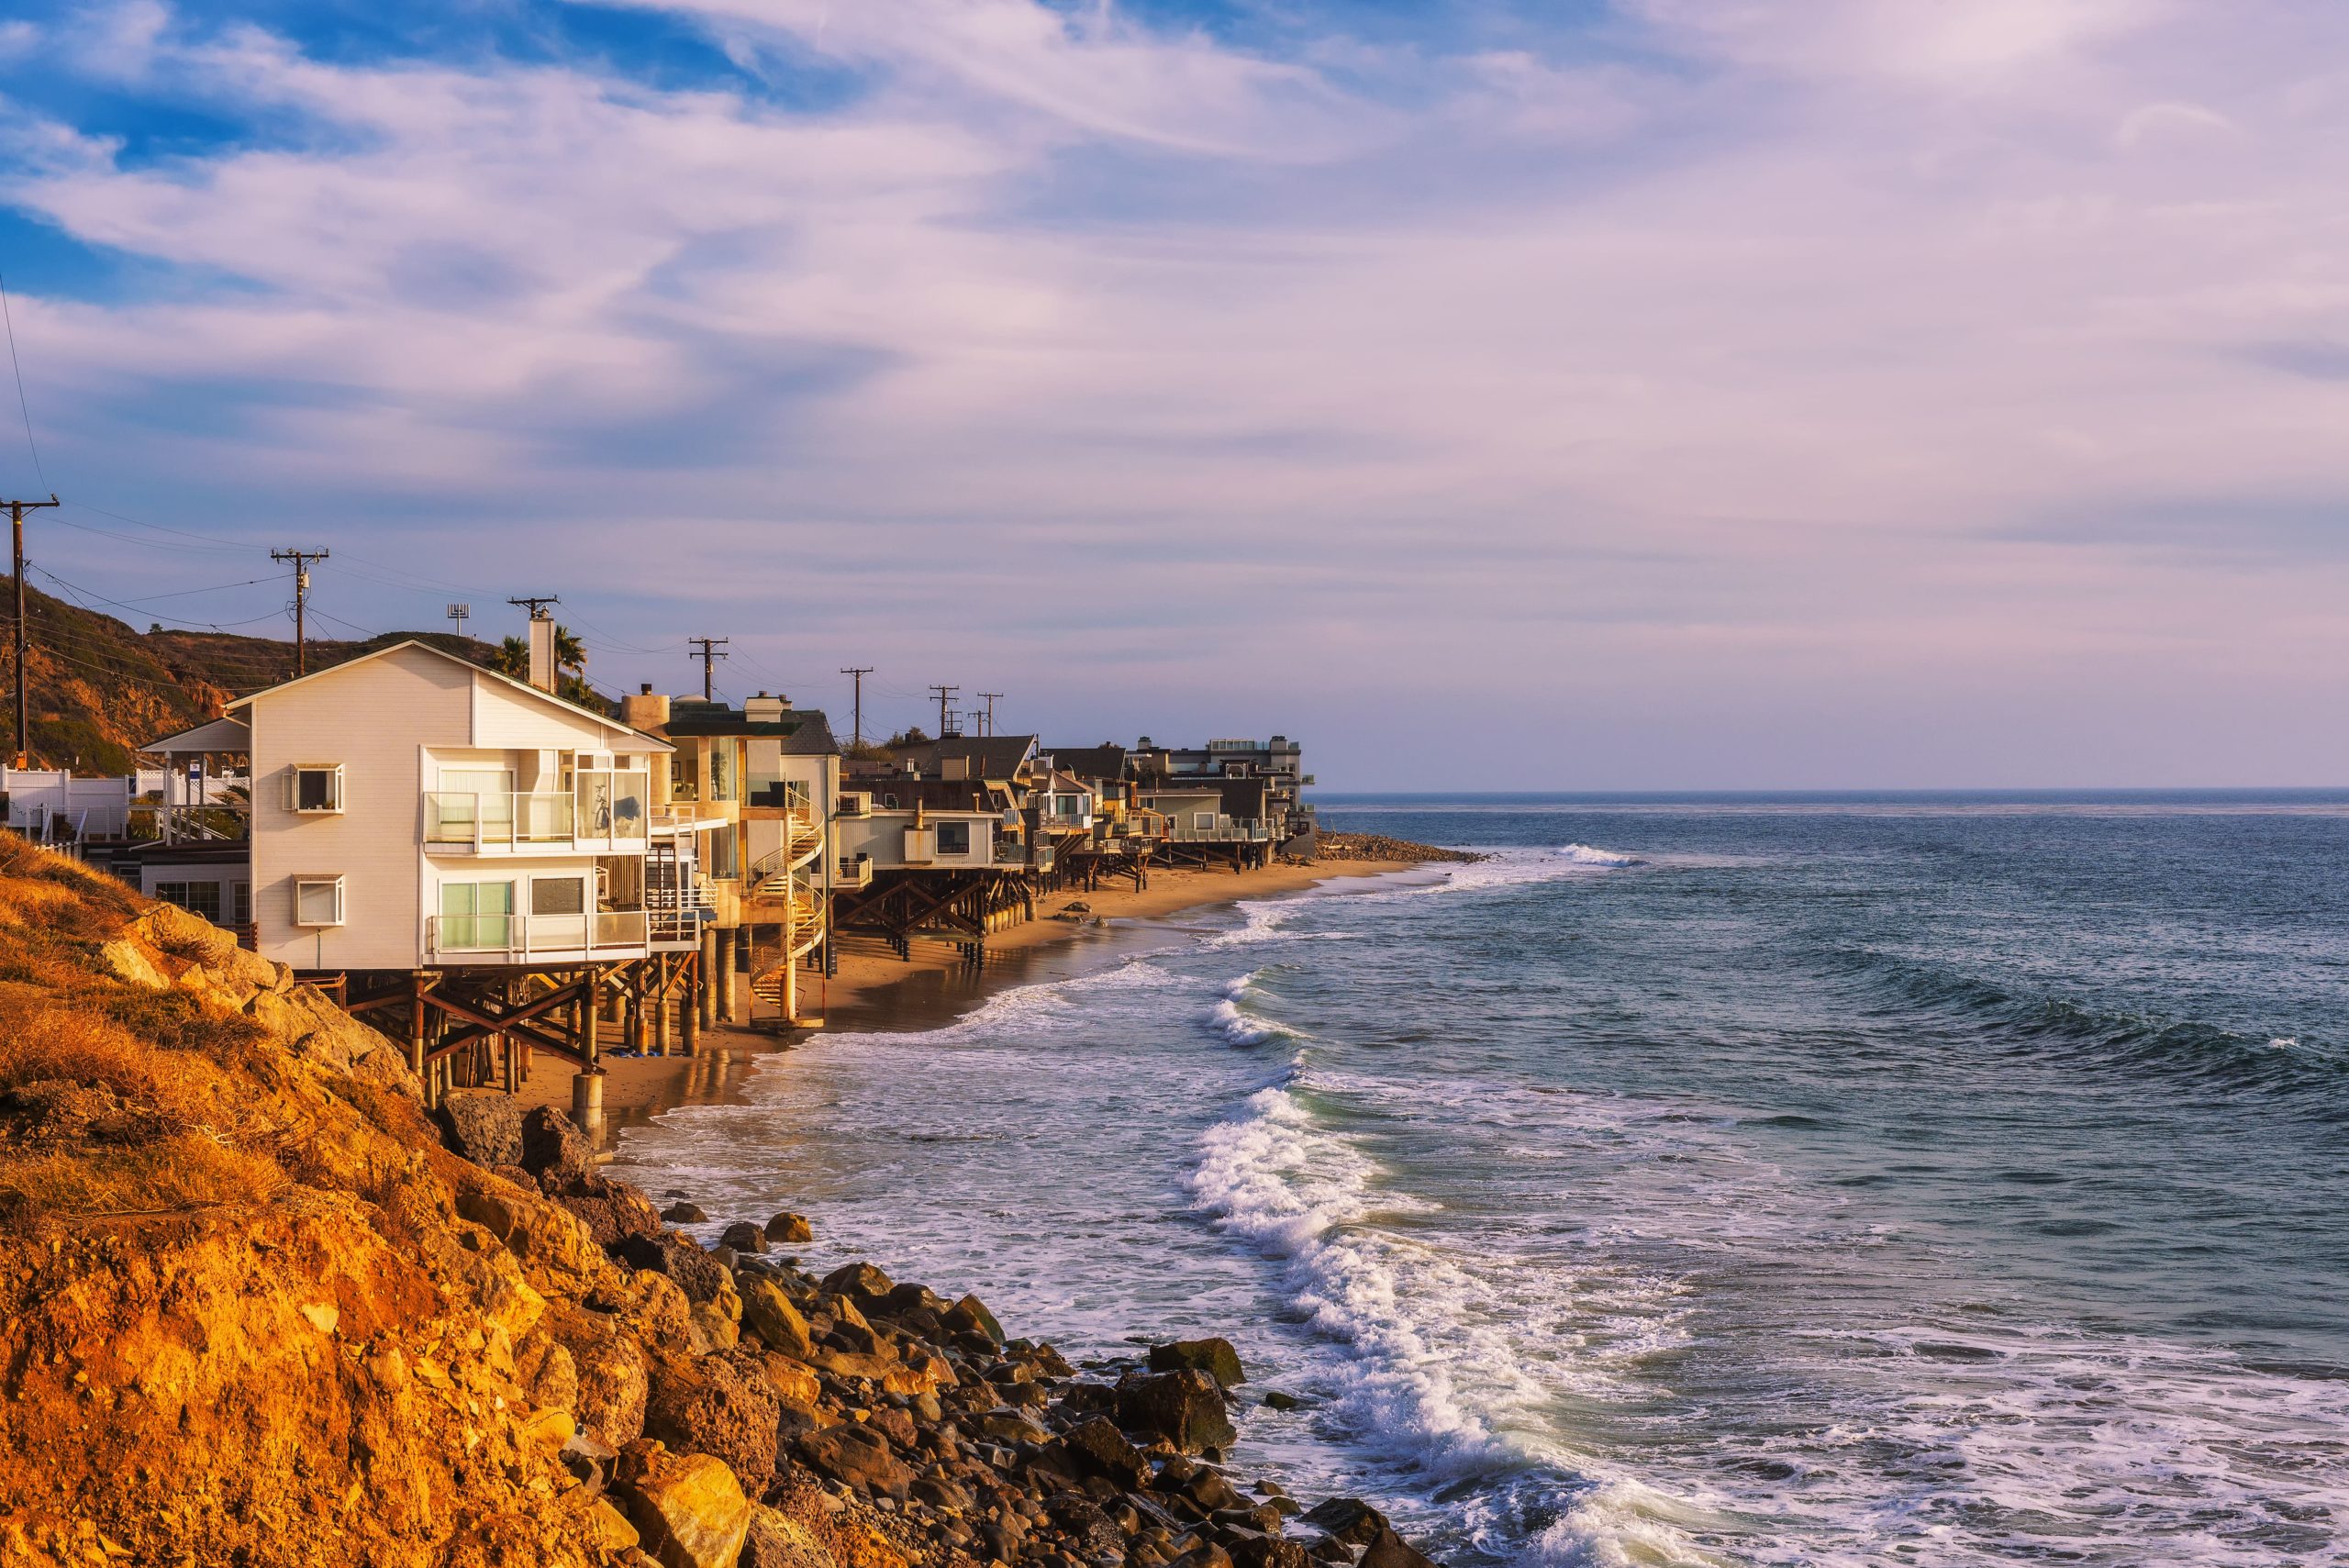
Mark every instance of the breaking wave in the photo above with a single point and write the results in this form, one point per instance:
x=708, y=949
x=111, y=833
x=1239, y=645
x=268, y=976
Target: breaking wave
x=1586, y=855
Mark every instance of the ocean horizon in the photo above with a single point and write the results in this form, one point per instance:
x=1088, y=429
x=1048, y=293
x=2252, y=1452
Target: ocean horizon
x=1776, y=1177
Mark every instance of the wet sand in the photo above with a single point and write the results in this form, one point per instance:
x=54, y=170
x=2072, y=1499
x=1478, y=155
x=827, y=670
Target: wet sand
x=877, y=990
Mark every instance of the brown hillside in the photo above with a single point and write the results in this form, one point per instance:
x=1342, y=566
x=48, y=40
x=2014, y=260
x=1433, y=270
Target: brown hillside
x=99, y=689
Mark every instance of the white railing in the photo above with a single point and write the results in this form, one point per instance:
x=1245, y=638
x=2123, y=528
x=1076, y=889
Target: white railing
x=526, y=936
x=498, y=819
x=1227, y=831
x=854, y=870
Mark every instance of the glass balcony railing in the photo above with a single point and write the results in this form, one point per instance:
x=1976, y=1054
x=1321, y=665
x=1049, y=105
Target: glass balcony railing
x=526, y=936
x=498, y=821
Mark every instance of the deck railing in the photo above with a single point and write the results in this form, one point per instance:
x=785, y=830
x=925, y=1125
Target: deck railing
x=498, y=819
x=524, y=935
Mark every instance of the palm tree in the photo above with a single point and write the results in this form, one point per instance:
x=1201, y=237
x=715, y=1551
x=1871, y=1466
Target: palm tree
x=512, y=657
x=570, y=653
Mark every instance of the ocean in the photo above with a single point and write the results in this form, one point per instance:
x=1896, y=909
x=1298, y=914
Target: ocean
x=1728, y=1180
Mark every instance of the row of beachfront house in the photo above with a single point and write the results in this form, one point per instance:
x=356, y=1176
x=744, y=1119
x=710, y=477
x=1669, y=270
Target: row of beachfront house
x=486, y=868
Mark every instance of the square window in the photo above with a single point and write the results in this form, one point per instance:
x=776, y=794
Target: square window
x=953, y=838
x=313, y=788
x=243, y=904
x=317, y=901
x=558, y=895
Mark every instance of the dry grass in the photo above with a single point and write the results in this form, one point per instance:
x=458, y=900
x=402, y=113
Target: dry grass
x=186, y=1171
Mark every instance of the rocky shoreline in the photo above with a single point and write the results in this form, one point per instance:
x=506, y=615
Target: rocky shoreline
x=853, y=1412
x=1380, y=847
x=257, y=1308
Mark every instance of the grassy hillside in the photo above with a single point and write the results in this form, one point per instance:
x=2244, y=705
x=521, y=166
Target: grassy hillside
x=100, y=689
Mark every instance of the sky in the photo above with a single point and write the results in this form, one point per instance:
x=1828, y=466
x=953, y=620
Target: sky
x=1497, y=394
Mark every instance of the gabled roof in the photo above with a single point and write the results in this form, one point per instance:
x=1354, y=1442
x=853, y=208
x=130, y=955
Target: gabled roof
x=813, y=738
x=1091, y=761
x=606, y=719
x=805, y=732
x=990, y=756
x=215, y=734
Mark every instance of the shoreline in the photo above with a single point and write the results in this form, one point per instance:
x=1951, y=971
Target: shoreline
x=876, y=992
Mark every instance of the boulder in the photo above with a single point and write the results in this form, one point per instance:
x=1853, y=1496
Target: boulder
x=1207, y=1554
x=1215, y=1357
x=857, y=1458
x=1267, y=1551
x=718, y=1405
x=1102, y=1449
x=1091, y=1534
x=778, y=1541
x=1387, y=1550
x=699, y=1275
x=969, y=1316
x=483, y=1125
x=743, y=1237
x=611, y=1211
x=861, y=1282
x=553, y=1143
x=689, y=1507
x=1349, y=1520
x=683, y=1213
x=768, y=1313
x=790, y=1228
x=607, y=1372
x=1184, y=1407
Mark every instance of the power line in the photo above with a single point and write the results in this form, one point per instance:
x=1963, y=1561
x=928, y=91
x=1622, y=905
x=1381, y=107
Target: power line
x=301, y=560
x=942, y=694
x=79, y=593
x=988, y=725
x=857, y=673
x=709, y=653
x=25, y=410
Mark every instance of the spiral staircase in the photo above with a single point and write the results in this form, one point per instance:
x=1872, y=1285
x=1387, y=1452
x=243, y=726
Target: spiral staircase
x=787, y=885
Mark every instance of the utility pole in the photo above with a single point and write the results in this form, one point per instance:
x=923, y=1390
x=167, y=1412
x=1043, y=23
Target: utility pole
x=537, y=606
x=709, y=654
x=858, y=671
x=16, y=510
x=943, y=693
x=301, y=560
x=987, y=726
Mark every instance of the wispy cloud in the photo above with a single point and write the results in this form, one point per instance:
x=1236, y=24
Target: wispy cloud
x=1709, y=359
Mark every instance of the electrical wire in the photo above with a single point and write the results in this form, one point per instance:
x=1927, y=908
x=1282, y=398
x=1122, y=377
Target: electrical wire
x=23, y=406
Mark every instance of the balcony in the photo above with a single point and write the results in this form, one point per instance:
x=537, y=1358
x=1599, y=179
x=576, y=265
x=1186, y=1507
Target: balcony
x=517, y=938
x=549, y=822
x=853, y=871
x=1227, y=831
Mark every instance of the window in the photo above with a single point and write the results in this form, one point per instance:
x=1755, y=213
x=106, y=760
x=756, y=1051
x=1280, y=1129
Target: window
x=1203, y=822
x=558, y=895
x=243, y=905
x=317, y=901
x=722, y=770
x=724, y=853
x=195, y=897
x=313, y=787
x=796, y=796
x=476, y=915
x=953, y=838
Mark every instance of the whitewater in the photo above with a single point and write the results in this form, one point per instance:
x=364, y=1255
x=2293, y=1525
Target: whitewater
x=1740, y=1182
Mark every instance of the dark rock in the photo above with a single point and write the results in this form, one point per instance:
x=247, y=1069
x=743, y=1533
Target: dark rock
x=1090, y=1532
x=719, y=1405
x=905, y=1298
x=611, y=1210
x=483, y=1125
x=553, y=1143
x=1268, y=1551
x=1277, y=1400
x=683, y=1213
x=1349, y=1520
x=858, y=1282
x=1184, y=1407
x=590, y=1461
x=969, y=1316
x=1388, y=1550
x=1102, y=1451
x=1330, y=1549
x=1210, y=1491
x=856, y=1457
x=743, y=1237
x=698, y=1274
x=1207, y=1555
x=1215, y=1357
x=790, y=1228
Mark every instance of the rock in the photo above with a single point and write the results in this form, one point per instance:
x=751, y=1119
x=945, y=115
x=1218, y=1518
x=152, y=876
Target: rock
x=1102, y=1451
x=609, y=1372
x=553, y=1143
x=609, y=1530
x=683, y=1213
x=1091, y=1533
x=1210, y=1491
x=743, y=1237
x=610, y=1211
x=1268, y=1551
x=1185, y=1408
x=778, y=1541
x=856, y=1457
x=1277, y=1400
x=699, y=1275
x=718, y=1405
x=689, y=1507
x=1387, y=1550
x=768, y=1313
x=1215, y=1357
x=483, y=1125
x=790, y=1228
x=859, y=1280
x=1349, y=1520
x=969, y=1316
x=1207, y=1554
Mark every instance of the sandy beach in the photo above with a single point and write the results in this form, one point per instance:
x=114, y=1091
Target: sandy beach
x=877, y=990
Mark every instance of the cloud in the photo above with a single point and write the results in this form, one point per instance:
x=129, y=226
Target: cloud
x=1715, y=359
